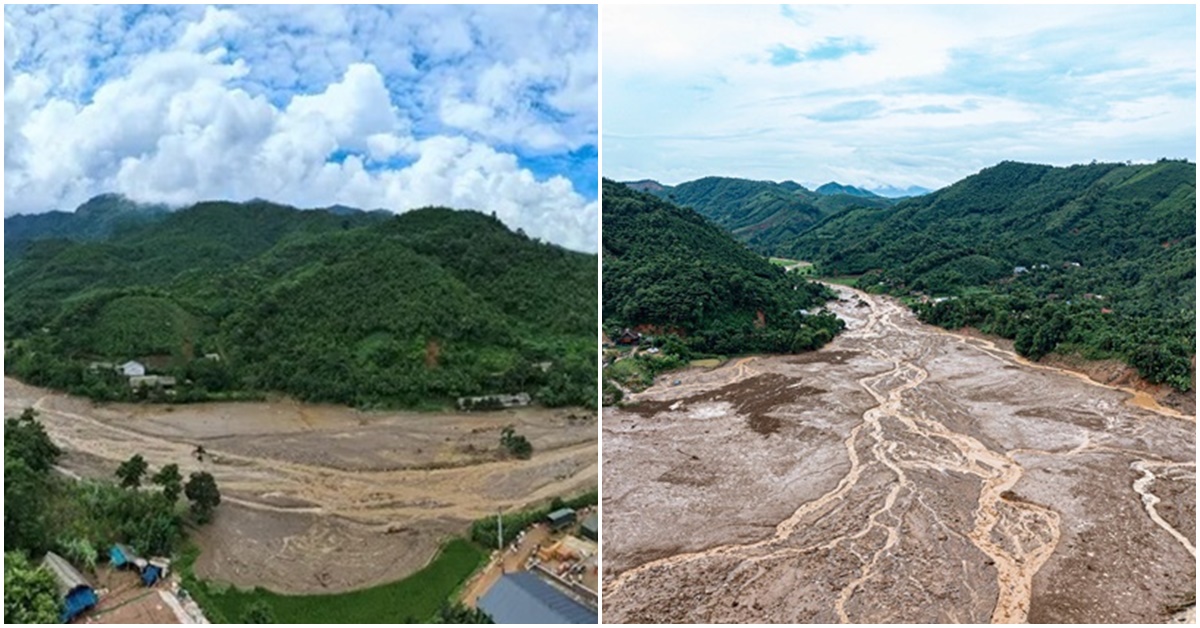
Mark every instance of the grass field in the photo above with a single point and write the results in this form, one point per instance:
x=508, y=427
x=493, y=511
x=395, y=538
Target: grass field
x=708, y=362
x=415, y=599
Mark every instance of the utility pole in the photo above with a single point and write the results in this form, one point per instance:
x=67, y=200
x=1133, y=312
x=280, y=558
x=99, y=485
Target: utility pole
x=500, y=537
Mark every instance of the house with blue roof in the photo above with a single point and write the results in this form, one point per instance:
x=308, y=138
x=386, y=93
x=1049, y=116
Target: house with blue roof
x=524, y=598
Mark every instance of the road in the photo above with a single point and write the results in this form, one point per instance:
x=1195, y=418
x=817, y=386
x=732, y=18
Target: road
x=902, y=473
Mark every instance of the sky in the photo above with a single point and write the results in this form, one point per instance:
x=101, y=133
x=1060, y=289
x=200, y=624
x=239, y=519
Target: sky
x=899, y=96
x=488, y=108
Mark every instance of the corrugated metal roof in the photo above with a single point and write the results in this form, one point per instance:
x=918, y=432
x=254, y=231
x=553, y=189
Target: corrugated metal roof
x=561, y=514
x=67, y=576
x=592, y=524
x=523, y=598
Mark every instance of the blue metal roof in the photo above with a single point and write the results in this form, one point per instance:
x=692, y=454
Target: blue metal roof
x=523, y=598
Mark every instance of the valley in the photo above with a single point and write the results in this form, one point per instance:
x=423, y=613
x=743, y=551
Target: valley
x=322, y=498
x=902, y=473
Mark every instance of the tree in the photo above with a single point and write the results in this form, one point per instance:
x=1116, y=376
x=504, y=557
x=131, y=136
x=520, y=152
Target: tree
x=24, y=505
x=78, y=550
x=131, y=471
x=171, y=482
x=458, y=613
x=25, y=438
x=30, y=593
x=201, y=488
x=515, y=444
x=259, y=613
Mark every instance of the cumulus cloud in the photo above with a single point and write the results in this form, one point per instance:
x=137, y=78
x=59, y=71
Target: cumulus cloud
x=193, y=119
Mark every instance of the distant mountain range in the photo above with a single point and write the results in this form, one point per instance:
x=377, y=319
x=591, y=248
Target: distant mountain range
x=763, y=214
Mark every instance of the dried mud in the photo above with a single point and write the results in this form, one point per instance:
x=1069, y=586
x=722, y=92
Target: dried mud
x=902, y=474
x=325, y=498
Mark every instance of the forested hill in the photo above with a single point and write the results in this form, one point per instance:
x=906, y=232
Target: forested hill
x=667, y=268
x=763, y=214
x=342, y=306
x=1096, y=259
x=97, y=219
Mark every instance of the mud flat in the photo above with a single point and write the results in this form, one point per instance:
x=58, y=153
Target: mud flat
x=901, y=474
x=325, y=498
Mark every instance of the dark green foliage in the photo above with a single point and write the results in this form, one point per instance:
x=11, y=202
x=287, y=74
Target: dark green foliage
x=457, y=613
x=258, y=613
x=26, y=440
x=362, y=309
x=95, y=220
x=131, y=471
x=669, y=271
x=1108, y=250
x=763, y=214
x=515, y=444
x=417, y=598
x=44, y=510
x=202, y=490
x=30, y=593
x=171, y=482
x=483, y=531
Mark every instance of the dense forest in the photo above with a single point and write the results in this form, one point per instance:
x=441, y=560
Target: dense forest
x=362, y=308
x=763, y=214
x=1097, y=260
x=669, y=271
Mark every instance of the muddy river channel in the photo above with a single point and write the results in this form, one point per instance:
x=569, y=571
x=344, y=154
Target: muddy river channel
x=901, y=474
x=320, y=498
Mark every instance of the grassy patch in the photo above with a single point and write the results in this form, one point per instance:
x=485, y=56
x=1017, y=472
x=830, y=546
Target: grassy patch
x=707, y=363
x=416, y=598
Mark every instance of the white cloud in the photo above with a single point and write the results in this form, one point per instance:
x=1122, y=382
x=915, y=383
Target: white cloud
x=187, y=123
x=922, y=94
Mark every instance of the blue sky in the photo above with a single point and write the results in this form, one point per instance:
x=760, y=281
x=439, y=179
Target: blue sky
x=491, y=108
x=879, y=96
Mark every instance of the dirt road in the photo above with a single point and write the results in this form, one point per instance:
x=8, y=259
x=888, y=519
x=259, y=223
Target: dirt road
x=901, y=474
x=323, y=498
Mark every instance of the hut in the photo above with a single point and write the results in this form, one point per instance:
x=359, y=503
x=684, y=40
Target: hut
x=78, y=595
x=591, y=527
x=121, y=556
x=524, y=598
x=561, y=518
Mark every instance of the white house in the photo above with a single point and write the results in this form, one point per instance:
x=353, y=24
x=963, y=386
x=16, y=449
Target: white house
x=133, y=368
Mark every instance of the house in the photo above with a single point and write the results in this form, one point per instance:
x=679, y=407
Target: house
x=590, y=528
x=629, y=337
x=561, y=518
x=152, y=381
x=102, y=366
x=605, y=341
x=78, y=596
x=1020, y=270
x=132, y=368
x=121, y=556
x=494, y=402
x=524, y=598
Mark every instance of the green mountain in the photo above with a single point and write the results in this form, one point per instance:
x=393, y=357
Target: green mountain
x=667, y=269
x=833, y=187
x=94, y=220
x=342, y=306
x=763, y=214
x=1098, y=259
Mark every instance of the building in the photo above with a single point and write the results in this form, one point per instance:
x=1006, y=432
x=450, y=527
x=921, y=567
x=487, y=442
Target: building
x=591, y=527
x=561, y=518
x=121, y=556
x=151, y=381
x=494, y=402
x=132, y=368
x=629, y=337
x=524, y=598
x=78, y=596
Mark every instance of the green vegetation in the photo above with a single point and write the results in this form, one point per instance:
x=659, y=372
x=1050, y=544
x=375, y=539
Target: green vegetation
x=30, y=593
x=483, y=531
x=363, y=309
x=131, y=471
x=95, y=220
x=516, y=445
x=457, y=613
x=202, y=490
x=417, y=598
x=1096, y=260
x=764, y=214
x=670, y=273
x=46, y=511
